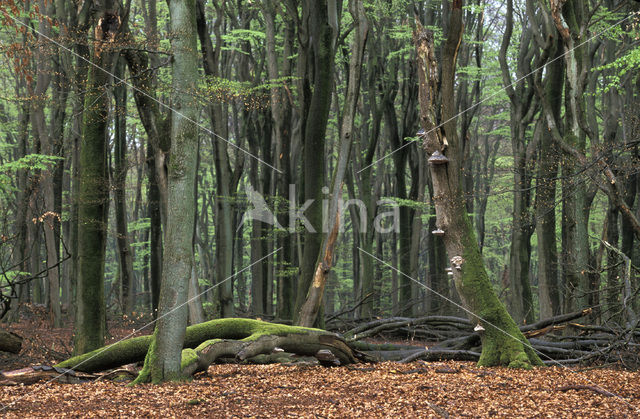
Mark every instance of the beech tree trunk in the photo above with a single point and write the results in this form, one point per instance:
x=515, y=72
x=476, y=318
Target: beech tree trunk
x=163, y=359
x=548, y=283
x=93, y=198
x=127, y=278
x=323, y=29
x=502, y=341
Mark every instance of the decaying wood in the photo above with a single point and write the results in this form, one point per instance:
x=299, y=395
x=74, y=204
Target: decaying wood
x=311, y=307
x=37, y=373
x=442, y=354
x=10, y=342
x=591, y=344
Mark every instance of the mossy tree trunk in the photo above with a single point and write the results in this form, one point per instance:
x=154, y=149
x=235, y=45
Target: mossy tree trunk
x=502, y=341
x=93, y=197
x=322, y=28
x=163, y=358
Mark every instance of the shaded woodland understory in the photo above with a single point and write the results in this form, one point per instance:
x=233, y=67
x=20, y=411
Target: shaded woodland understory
x=294, y=182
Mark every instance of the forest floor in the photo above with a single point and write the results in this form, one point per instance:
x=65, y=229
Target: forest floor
x=419, y=389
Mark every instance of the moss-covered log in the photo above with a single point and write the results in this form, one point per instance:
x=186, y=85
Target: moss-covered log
x=206, y=342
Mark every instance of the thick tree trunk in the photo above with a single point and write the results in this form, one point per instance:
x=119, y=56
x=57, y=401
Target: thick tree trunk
x=502, y=341
x=548, y=284
x=323, y=30
x=93, y=198
x=163, y=360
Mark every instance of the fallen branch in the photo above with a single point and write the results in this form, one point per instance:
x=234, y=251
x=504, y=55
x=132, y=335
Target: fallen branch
x=585, y=387
x=442, y=355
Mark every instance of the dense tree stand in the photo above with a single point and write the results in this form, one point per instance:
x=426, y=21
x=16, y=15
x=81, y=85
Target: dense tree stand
x=204, y=343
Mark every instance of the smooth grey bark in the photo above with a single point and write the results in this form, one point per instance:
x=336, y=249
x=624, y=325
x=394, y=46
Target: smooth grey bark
x=196, y=310
x=163, y=358
x=127, y=277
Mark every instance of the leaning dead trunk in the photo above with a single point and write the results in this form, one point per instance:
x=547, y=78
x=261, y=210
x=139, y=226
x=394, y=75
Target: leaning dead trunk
x=502, y=341
x=311, y=307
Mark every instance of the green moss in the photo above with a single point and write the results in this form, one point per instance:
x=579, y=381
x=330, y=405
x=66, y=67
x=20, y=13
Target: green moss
x=197, y=337
x=207, y=343
x=144, y=376
x=109, y=356
x=233, y=328
x=189, y=356
x=502, y=343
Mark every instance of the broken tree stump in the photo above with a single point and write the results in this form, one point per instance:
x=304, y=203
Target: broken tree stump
x=10, y=342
